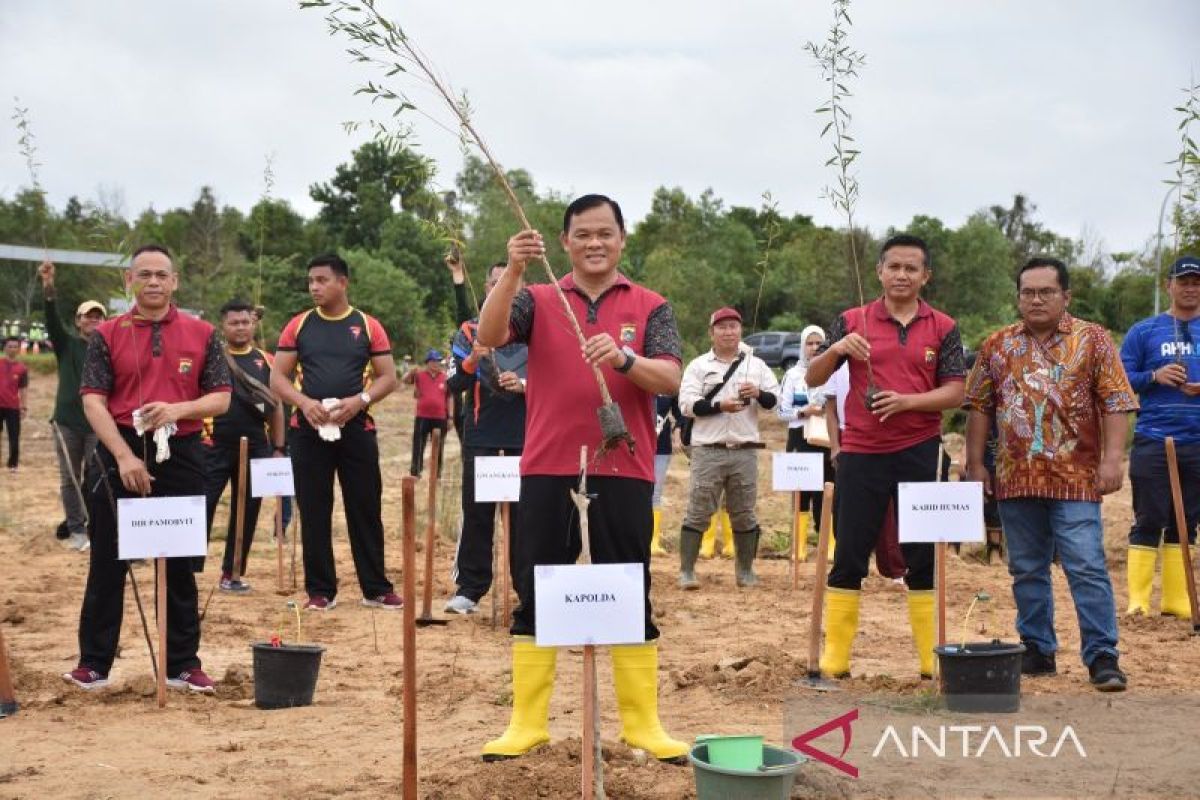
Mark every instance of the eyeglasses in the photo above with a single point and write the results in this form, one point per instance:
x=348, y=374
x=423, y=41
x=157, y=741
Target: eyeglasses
x=1048, y=293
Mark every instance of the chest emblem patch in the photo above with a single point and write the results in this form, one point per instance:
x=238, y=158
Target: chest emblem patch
x=356, y=331
x=185, y=366
x=930, y=355
x=628, y=332
x=258, y=362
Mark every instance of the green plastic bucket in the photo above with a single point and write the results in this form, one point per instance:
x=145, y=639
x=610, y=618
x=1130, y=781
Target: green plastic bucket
x=733, y=752
x=771, y=781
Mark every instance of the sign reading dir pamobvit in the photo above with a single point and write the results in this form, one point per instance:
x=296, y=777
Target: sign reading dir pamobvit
x=589, y=604
x=161, y=527
x=940, y=512
x=497, y=479
x=271, y=477
x=797, y=472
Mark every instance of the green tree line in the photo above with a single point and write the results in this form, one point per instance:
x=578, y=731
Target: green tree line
x=382, y=211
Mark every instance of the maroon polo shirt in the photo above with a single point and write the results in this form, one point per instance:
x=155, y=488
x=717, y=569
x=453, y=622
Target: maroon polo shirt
x=133, y=361
x=912, y=359
x=13, y=376
x=431, y=394
x=561, y=395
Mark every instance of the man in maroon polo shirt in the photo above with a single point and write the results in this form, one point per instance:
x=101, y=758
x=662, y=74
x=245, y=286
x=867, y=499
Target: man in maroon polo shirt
x=14, y=383
x=168, y=367
x=632, y=336
x=906, y=367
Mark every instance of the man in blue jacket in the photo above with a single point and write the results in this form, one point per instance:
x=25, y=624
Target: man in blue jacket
x=1163, y=364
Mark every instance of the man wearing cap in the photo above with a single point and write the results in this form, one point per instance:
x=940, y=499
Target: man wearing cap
x=429, y=387
x=1162, y=362
x=345, y=365
x=906, y=367
x=74, y=441
x=723, y=390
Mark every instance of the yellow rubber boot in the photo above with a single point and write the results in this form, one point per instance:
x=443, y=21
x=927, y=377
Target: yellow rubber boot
x=709, y=540
x=1140, y=570
x=803, y=525
x=920, y=619
x=727, y=546
x=1174, y=587
x=656, y=548
x=532, y=683
x=841, y=624
x=635, y=677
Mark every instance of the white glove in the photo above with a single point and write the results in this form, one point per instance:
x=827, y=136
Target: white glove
x=162, y=436
x=330, y=432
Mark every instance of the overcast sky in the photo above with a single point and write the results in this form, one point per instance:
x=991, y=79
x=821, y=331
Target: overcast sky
x=962, y=104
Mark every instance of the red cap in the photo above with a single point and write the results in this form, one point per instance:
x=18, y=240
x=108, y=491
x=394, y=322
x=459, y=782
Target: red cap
x=724, y=314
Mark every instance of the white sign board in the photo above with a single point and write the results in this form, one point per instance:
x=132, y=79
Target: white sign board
x=271, y=477
x=940, y=512
x=797, y=472
x=161, y=527
x=497, y=479
x=589, y=604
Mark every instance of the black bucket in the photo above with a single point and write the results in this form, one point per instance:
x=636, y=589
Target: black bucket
x=285, y=676
x=983, y=677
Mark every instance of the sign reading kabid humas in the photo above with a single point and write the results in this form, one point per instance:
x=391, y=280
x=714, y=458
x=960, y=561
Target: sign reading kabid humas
x=940, y=512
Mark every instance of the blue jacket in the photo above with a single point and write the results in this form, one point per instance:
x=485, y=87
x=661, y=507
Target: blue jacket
x=1156, y=342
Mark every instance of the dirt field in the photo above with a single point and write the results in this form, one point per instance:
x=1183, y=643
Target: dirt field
x=730, y=660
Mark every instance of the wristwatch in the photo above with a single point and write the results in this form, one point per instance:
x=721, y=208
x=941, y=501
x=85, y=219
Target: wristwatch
x=366, y=399
x=630, y=357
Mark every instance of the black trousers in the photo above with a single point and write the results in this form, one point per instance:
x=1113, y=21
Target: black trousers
x=355, y=460
x=620, y=525
x=221, y=468
x=810, y=501
x=104, y=597
x=423, y=428
x=866, y=483
x=11, y=418
x=473, y=558
x=1153, y=512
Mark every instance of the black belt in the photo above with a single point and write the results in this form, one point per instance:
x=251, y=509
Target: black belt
x=736, y=446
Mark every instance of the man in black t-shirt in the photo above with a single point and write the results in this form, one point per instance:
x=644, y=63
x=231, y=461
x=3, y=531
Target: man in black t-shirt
x=344, y=362
x=251, y=409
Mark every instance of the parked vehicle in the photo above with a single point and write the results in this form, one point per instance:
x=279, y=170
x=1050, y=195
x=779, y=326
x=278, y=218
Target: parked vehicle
x=776, y=348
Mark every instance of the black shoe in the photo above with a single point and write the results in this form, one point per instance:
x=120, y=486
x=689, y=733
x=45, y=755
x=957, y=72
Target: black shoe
x=1106, y=674
x=1034, y=662
x=62, y=532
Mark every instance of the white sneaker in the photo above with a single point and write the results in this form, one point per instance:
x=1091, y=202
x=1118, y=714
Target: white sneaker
x=460, y=605
x=79, y=541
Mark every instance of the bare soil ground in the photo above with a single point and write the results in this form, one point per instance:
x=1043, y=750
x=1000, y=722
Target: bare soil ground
x=730, y=662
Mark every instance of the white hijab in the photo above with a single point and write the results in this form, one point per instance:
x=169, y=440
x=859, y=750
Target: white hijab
x=807, y=332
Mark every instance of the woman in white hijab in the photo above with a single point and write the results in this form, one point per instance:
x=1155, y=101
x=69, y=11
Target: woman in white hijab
x=799, y=402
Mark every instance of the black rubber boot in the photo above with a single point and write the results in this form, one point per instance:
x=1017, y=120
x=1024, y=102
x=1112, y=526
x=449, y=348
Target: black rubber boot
x=689, y=550
x=745, y=547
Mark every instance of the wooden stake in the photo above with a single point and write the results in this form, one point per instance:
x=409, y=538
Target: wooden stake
x=820, y=574
x=8, y=697
x=409, y=643
x=427, y=617
x=939, y=565
x=160, y=580
x=505, y=539
x=238, y=567
x=294, y=537
x=1185, y=549
x=799, y=549
x=592, y=773
x=280, y=589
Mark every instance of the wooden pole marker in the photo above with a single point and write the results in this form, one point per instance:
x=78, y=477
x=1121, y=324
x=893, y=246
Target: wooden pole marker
x=1185, y=549
x=427, y=618
x=409, y=641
